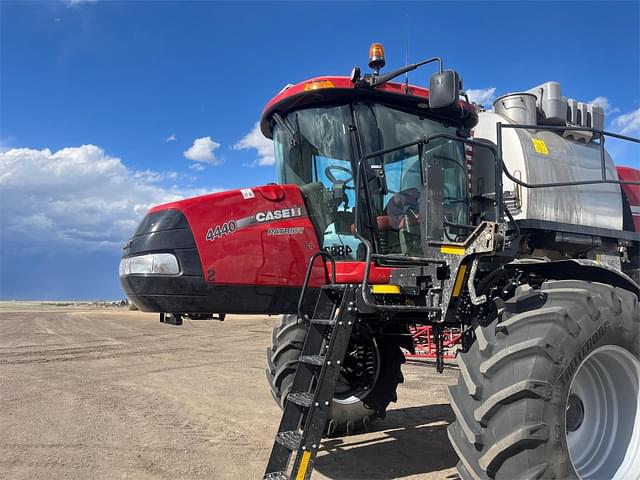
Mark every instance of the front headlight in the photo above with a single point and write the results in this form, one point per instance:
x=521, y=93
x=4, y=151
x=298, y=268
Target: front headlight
x=124, y=267
x=150, y=264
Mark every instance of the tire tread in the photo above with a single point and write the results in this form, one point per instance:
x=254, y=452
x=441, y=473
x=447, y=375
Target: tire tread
x=523, y=339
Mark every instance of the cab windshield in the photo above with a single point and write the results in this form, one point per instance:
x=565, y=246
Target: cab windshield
x=318, y=156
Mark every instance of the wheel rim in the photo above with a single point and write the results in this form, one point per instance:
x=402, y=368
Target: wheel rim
x=602, y=419
x=360, y=371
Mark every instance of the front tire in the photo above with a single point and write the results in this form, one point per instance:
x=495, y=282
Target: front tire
x=550, y=388
x=357, y=401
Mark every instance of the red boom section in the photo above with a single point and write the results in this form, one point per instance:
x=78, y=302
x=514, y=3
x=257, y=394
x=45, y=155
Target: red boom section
x=425, y=344
x=632, y=192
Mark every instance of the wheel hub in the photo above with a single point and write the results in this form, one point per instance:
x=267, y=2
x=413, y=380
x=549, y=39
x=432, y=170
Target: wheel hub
x=360, y=370
x=603, y=415
x=575, y=413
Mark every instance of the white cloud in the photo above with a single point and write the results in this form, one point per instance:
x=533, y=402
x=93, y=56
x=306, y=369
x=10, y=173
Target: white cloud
x=73, y=3
x=198, y=167
x=203, y=150
x=171, y=138
x=77, y=197
x=482, y=96
x=254, y=140
x=604, y=103
x=628, y=123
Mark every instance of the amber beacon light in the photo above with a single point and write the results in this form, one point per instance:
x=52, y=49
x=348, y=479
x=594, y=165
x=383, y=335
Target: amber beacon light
x=376, y=56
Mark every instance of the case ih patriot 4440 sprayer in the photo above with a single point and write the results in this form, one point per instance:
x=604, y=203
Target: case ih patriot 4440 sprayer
x=397, y=207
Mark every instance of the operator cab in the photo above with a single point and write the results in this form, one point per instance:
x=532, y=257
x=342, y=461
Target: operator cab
x=323, y=128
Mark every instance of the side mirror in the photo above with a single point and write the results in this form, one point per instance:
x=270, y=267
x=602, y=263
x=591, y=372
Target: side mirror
x=444, y=89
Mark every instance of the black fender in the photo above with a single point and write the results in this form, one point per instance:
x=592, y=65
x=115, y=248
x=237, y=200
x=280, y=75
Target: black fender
x=577, y=269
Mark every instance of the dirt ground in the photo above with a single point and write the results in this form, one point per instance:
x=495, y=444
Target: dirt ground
x=107, y=393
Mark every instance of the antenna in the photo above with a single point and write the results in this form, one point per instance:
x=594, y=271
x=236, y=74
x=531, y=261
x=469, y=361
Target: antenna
x=406, y=54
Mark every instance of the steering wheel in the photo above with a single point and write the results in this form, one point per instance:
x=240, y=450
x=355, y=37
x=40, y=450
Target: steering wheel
x=332, y=178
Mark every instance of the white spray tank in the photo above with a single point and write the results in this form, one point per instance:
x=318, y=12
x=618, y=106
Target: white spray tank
x=538, y=156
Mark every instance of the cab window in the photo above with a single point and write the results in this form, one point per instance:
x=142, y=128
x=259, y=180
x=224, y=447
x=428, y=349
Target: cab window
x=320, y=162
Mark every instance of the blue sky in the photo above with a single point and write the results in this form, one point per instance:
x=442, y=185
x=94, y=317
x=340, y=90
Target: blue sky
x=107, y=108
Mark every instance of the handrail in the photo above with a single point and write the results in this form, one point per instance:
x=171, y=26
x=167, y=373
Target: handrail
x=364, y=286
x=500, y=208
x=425, y=141
x=554, y=128
x=307, y=277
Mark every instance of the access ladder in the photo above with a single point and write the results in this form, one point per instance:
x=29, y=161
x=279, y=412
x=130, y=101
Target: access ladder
x=306, y=410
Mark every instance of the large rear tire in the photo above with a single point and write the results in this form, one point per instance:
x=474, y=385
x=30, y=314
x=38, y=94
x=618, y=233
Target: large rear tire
x=367, y=385
x=551, y=388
